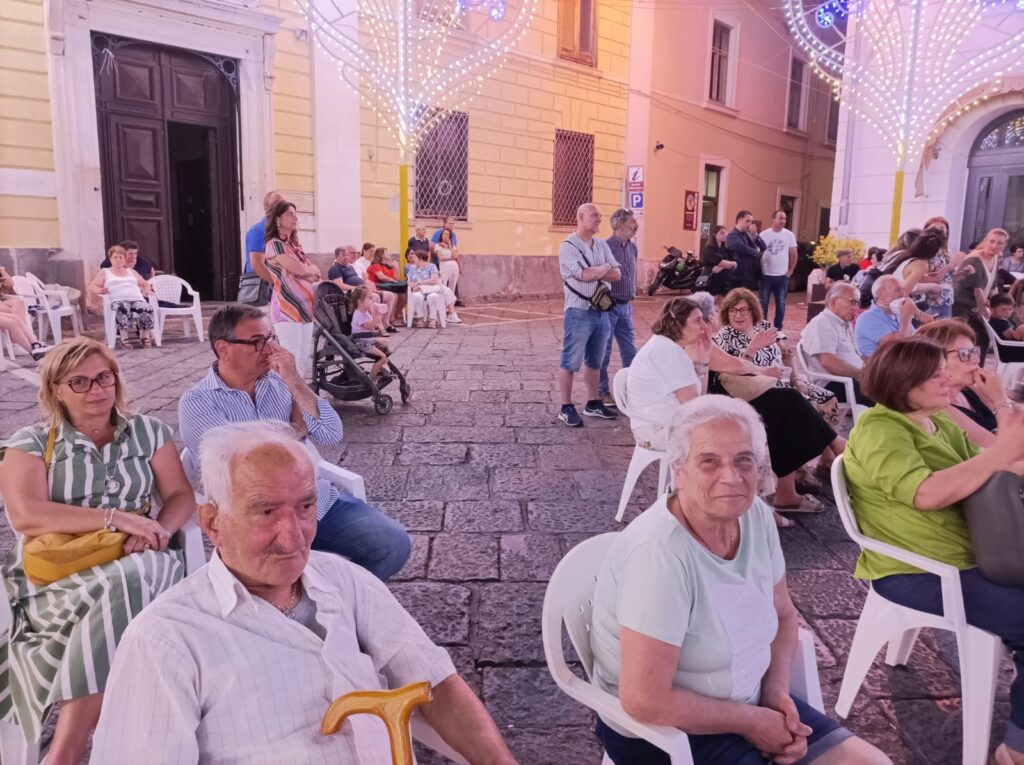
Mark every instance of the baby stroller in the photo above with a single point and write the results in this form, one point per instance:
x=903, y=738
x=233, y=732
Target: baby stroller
x=339, y=367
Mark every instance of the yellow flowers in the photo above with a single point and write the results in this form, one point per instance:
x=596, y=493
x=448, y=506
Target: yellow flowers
x=825, y=254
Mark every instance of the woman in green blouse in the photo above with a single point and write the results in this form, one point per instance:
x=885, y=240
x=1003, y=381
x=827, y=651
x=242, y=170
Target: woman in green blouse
x=909, y=467
x=105, y=467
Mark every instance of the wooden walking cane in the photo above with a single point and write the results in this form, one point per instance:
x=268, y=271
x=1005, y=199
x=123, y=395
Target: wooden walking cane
x=393, y=707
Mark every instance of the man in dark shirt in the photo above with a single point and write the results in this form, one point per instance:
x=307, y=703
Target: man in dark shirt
x=347, y=278
x=624, y=227
x=843, y=271
x=420, y=242
x=133, y=260
x=745, y=252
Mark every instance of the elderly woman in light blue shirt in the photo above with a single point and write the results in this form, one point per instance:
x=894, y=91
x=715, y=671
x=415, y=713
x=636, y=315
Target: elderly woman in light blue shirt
x=427, y=296
x=693, y=625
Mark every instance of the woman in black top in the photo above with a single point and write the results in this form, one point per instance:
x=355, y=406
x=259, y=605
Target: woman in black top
x=719, y=267
x=975, y=394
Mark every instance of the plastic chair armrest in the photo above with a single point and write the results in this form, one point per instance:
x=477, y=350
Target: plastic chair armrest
x=922, y=562
x=803, y=674
x=349, y=482
x=668, y=739
x=60, y=295
x=190, y=539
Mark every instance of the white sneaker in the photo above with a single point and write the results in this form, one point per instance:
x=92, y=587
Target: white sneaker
x=454, y=319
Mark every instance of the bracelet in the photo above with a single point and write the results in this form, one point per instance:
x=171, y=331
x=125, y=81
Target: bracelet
x=1007, y=404
x=108, y=519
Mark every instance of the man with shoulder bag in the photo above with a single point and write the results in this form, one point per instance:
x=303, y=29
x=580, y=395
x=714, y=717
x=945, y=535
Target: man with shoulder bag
x=585, y=263
x=254, y=284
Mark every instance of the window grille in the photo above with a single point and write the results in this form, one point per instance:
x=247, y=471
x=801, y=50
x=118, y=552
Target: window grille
x=442, y=169
x=1009, y=134
x=572, y=182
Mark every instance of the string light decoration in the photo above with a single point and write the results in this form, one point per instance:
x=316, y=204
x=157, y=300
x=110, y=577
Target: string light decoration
x=914, y=72
x=414, y=62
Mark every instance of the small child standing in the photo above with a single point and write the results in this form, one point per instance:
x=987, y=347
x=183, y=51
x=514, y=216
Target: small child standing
x=367, y=327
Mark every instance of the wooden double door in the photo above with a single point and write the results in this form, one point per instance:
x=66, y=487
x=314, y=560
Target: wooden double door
x=168, y=127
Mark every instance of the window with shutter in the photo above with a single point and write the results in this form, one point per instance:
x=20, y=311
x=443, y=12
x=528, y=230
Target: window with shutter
x=577, y=31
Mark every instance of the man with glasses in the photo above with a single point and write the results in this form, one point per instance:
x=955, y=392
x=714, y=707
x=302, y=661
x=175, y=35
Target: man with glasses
x=255, y=378
x=829, y=341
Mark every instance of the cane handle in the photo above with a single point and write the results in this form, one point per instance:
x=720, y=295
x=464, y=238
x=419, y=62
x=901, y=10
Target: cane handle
x=393, y=707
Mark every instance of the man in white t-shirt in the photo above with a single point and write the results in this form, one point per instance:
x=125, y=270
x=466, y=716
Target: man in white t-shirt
x=777, y=264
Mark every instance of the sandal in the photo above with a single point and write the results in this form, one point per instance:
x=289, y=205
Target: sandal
x=807, y=505
x=806, y=484
x=147, y=342
x=125, y=344
x=782, y=521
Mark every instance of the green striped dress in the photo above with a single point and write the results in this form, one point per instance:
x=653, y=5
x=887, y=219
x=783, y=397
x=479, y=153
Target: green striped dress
x=63, y=636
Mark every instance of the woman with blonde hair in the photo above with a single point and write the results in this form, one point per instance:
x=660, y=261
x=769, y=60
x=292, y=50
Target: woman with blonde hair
x=91, y=466
x=128, y=297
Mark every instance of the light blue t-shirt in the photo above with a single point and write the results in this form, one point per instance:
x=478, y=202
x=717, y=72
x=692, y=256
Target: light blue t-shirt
x=254, y=242
x=416, y=274
x=661, y=582
x=871, y=327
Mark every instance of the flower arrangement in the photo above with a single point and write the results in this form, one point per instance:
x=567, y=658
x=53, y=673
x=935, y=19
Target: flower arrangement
x=825, y=253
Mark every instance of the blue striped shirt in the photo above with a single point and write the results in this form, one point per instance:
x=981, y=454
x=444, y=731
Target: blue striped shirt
x=211, y=402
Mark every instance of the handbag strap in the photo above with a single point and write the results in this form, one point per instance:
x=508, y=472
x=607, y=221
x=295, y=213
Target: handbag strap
x=48, y=454
x=571, y=289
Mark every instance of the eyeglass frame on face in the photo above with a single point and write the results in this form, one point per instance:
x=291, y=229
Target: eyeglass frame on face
x=78, y=380
x=740, y=309
x=258, y=343
x=974, y=352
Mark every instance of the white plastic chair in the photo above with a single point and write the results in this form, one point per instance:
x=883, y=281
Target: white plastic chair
x=569, y=600
x=1007, y=370
x=430, y=307
x=6, y=348
x=847, y=382
x=55, y=305
x=110, y=325
x=168, y=289
x=14, y=749
x=642, y=456
x=882, y=621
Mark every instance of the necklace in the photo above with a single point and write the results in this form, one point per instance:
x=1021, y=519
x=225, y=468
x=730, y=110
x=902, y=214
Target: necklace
x=293, y=600
x=730, y=549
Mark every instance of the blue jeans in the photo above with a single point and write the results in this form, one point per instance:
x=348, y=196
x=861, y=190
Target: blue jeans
x=586, y=335
x=722, y=748
x=992, y=607
x=364, y=535
x=776, y=286
x=621, y=320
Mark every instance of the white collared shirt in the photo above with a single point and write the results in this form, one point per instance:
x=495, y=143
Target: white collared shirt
x=828, y=333
x=210, y=673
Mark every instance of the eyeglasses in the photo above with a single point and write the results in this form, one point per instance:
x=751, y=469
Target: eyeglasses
x=258, y=343
x=739, y=310
x=966, y=354
x=84, y=384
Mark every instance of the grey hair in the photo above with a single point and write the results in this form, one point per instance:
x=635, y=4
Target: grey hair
x=706, y=302
x=620, y=216
x=704, y=409
x=226, y=443
x=838, y=287
x=882, y=280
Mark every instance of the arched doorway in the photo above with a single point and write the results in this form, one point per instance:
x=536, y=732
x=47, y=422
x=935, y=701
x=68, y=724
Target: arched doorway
x=167, y=121
x=995, y=180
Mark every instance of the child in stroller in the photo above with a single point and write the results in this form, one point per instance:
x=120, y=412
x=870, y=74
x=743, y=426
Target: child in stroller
x=368, y=331
x=340, y=366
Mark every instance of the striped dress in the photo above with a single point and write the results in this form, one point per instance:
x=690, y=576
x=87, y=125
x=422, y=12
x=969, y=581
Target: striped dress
x=63, y=636
x=294, y=297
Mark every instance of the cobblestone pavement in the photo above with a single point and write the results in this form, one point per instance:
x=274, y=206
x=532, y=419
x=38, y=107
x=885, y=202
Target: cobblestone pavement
x=494, y=491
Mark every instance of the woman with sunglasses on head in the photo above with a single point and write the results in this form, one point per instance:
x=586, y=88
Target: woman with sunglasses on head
x=975, y=394
x=92, y=465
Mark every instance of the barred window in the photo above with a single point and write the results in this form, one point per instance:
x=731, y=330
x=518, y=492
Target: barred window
x=718, y=88
x=577, y=31
x=442, y=169
x=572, y=181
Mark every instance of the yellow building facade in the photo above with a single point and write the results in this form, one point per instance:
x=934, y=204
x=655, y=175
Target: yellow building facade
x=166, y=121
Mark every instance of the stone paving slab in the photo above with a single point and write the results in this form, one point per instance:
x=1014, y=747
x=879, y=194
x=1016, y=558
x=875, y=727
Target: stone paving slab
x=494, y=492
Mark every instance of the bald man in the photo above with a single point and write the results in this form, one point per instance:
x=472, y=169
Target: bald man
x=584, y=260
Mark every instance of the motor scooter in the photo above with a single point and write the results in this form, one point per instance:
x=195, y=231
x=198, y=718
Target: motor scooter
x=676, y=271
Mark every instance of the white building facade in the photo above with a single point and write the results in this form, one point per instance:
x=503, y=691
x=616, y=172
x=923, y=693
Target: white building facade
x=970, y=171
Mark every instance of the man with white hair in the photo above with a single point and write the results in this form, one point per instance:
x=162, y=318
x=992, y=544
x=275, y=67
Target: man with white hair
x=584, y=260
x=239, y=663
x=828, y=340
x=890, y=313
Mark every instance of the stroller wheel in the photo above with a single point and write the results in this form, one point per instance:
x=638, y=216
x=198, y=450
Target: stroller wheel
x=383, y=403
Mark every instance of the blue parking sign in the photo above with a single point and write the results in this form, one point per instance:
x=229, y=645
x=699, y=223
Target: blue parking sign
x=636, y=200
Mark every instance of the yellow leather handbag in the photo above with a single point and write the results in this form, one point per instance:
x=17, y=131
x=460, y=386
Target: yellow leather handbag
x=50, y=557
